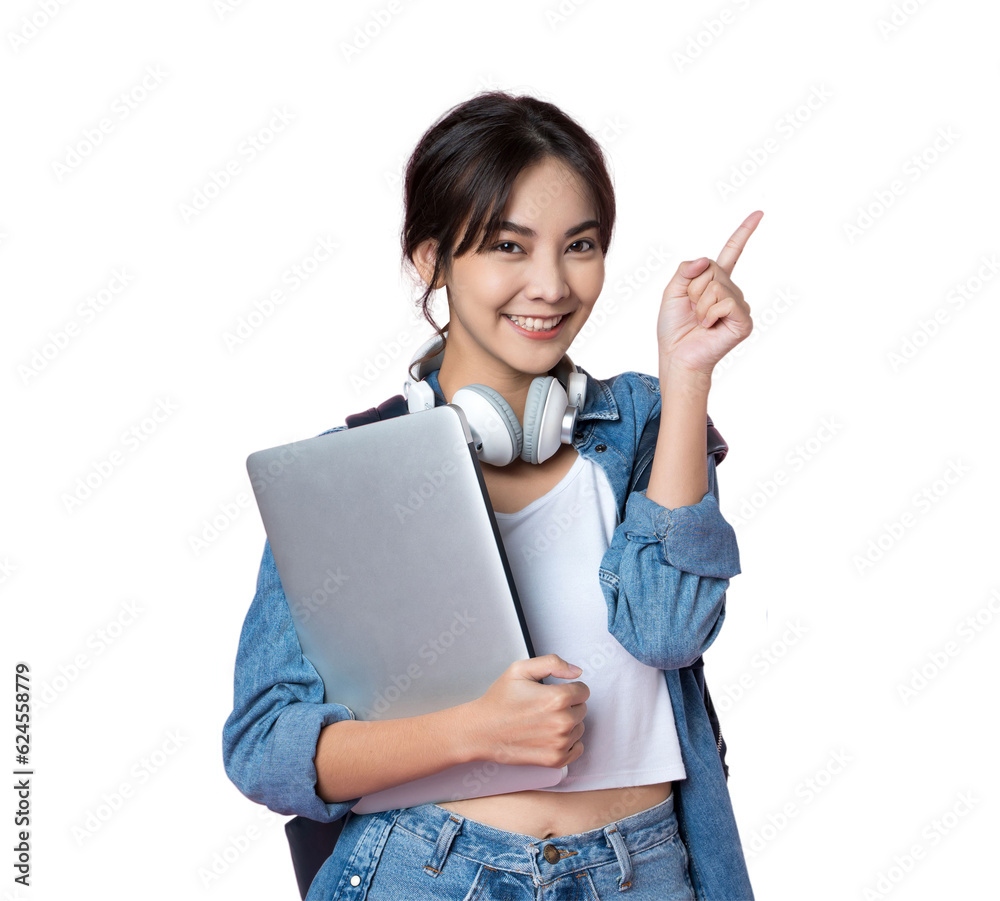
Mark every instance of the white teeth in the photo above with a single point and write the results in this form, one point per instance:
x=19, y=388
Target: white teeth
x=532, y=324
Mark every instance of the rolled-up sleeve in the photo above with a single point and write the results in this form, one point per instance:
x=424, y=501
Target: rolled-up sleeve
x=269, y=739
x=665, y=576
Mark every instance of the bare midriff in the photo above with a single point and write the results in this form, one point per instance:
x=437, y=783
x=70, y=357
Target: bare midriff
x=548, y=814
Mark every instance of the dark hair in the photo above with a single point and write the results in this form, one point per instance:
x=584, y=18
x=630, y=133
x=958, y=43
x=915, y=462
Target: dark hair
x=464, y=167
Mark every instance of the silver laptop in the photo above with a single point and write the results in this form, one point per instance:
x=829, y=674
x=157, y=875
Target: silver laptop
x=396, y=577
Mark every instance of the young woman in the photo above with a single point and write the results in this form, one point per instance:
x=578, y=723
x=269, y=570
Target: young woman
x=510, y=208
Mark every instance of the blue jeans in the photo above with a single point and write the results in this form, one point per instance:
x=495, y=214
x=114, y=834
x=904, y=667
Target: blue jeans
x=429, y=852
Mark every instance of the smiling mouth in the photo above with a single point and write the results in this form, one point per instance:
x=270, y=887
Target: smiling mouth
x=534, y=324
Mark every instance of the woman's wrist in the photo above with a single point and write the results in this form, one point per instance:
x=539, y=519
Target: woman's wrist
x=468, y=744
x=685, y=379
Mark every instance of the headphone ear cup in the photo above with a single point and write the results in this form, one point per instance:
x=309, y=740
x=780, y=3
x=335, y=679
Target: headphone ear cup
x=492, y=421
x=543, y=415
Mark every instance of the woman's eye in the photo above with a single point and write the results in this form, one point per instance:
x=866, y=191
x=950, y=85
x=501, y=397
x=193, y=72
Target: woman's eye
x=587, y=241
x=503, y=245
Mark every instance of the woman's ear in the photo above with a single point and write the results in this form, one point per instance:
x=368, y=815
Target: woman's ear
x=424, y=258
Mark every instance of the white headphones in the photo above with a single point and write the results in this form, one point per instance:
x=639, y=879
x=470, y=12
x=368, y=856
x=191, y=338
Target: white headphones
x=549, y=413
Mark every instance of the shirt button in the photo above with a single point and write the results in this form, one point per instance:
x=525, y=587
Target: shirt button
x=601, y=448
x=551, y=853
x=355, y=880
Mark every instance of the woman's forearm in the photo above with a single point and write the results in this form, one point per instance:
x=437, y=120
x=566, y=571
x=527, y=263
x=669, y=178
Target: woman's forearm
x=356, y=758
x=518, y=720
x=679, y=475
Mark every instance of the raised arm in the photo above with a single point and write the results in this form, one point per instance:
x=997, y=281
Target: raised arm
x=665, y=574
x=702, y=317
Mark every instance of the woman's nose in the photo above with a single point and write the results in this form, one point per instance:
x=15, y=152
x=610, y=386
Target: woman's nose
x=547, y=281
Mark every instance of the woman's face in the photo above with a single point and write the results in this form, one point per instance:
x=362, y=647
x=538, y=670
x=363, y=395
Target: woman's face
x=519, y=304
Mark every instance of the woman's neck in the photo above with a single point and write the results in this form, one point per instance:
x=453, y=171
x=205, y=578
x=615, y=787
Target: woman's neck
x=512, y=386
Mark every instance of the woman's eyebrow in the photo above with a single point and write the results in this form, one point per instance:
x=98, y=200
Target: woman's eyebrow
x=509, y=226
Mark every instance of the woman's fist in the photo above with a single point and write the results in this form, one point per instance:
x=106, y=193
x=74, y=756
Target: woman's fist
x=520, y=720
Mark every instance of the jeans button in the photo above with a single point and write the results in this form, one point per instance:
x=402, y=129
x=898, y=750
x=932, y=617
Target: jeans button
x=551, y=853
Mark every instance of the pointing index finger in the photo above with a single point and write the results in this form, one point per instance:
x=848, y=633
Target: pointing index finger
x=734, y=246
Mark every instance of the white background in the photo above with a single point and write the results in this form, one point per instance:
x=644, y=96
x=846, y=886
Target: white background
x=832, y=439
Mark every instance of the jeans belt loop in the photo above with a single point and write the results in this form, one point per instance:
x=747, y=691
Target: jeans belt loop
x=452, y=826
x=617, y=843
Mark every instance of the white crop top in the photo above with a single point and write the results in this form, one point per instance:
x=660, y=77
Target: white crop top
x=555, y=546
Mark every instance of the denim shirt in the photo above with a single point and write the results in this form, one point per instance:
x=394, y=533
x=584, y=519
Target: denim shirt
x=664, y=578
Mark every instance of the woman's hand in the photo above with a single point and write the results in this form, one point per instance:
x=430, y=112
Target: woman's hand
x=703, y=315
x=520, y=720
